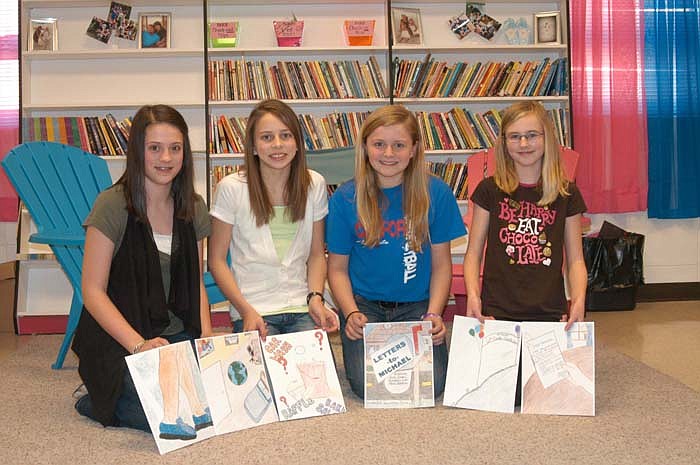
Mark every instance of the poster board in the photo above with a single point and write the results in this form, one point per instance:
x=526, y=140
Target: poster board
x=398, y=365
x=170, y=388
x=236, y=381
x=303, y=376
x=482, y=371
x=558, y=370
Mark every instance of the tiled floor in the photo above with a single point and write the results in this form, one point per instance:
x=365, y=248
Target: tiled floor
x=664, y=335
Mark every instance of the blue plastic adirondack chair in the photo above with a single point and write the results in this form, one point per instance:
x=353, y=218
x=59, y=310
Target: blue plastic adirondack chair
x=58, y=184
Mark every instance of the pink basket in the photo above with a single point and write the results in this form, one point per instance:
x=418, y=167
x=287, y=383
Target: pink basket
x=289, y=33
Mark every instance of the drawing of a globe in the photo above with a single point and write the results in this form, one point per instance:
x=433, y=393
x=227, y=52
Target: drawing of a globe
x=237, y=373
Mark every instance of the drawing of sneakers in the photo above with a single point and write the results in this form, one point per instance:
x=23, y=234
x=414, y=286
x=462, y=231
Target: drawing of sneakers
x=510, y=30
x=179, y=430
x=202, y=421
x=523, y=32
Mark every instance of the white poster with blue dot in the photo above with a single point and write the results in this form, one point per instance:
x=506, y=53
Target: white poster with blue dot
x=482, y=371
x=236, y=381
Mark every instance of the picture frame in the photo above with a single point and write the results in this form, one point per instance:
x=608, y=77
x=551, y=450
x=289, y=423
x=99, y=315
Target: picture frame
x=547, y=27
x=406, y=25
x=43, y=34
x=155, y=30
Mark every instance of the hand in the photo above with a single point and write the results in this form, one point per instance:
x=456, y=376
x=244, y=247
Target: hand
x=153, y=344
x=438, y=331
x=255, y=322
x=323, y=316
x=474, y=309
x=576, y=314
x=354, y=325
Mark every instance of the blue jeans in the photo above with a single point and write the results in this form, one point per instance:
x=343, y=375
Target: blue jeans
x=354, y=351
x=282, y=324
x=128, y=412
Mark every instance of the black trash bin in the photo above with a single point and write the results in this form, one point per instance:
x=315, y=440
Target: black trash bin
x=614, y=260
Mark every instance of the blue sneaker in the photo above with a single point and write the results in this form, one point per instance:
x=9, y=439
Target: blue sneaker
x=179, y=430
x=202, y=421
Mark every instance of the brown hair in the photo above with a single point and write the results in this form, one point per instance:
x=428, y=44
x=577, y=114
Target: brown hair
x=297, y=186
x=133, y=179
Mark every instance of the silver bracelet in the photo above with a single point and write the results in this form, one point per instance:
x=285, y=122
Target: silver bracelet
x=138, y=346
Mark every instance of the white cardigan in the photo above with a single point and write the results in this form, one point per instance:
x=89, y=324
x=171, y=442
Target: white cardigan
x=266, y=283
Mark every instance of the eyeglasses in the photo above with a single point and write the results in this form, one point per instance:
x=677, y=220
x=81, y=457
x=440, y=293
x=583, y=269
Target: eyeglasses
x=515, y=138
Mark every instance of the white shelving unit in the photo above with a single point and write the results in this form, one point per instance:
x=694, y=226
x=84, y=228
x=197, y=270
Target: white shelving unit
x=323, y=40
x=85, y=77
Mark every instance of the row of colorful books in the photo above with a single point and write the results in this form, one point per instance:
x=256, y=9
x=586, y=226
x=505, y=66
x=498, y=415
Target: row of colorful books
x=219, y=171
x=429, y=78
x=333, y=130
x=98, y=135
x=453, y=173
x=456, y=129
x=254, y=80
x=461, y=129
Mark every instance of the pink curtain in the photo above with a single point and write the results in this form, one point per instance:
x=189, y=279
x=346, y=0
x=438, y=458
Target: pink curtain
x=607, y=89
x=9, y=105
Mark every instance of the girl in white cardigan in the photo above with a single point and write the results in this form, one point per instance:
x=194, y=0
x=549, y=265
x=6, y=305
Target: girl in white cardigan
x=270, y=218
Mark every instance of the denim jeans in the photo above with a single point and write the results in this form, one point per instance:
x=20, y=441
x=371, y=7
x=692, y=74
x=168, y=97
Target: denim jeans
x=354, y=351
x=282, y=324
x=128, y=412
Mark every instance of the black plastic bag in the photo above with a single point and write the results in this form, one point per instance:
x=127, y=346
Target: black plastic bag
x=614, y=259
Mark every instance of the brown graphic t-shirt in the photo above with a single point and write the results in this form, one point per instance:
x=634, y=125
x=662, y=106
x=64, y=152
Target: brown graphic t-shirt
x=523, y=277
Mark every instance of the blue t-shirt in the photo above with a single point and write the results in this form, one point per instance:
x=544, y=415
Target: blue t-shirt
x=149, y=39
x=390, y=271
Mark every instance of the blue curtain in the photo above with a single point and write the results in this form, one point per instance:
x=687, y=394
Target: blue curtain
x=672, y=69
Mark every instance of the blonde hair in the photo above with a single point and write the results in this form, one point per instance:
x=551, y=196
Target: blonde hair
x=370, y=198
x=297, y=185
x=552, y=180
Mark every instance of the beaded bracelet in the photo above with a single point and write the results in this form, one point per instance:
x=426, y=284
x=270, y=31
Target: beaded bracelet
x=347, y=318
x=312, y=294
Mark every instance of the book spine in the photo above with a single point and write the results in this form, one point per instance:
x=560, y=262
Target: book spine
x=377, y=73
x=122, y=143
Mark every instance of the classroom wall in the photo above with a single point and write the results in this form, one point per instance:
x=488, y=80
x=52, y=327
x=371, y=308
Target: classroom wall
x=671, y=247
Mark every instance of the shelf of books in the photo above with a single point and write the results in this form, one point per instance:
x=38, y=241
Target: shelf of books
x=327, y=60
x=84, y=72
x=88, y=65
x=459, y=67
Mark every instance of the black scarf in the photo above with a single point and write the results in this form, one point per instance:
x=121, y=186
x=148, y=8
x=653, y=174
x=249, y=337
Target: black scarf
x=136, y=288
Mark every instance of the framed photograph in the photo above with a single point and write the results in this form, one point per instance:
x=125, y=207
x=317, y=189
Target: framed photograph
x=43, y=34
x=547, y=27
x=154, y=30
x=407, y=26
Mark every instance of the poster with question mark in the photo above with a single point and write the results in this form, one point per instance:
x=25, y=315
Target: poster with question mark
x=303, y=376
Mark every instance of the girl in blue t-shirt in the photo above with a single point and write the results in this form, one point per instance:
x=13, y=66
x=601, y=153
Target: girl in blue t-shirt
x=388, y=236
